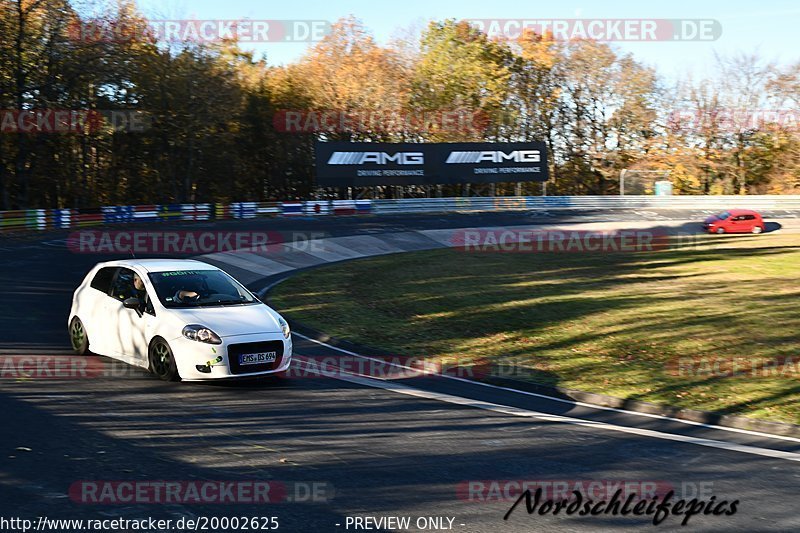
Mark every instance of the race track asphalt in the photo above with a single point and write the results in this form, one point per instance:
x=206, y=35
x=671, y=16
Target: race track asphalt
x=405, y=448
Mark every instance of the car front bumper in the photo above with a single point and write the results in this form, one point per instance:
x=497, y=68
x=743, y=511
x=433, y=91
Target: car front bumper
x=189, y=355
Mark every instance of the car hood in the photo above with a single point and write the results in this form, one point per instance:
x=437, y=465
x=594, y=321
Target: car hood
x=710, y=219
x=232, y=320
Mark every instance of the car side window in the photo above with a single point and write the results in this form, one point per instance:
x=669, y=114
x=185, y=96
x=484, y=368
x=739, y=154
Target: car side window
x=102, y=280
x=122, y=287
x=749, y=217
x=147, y=305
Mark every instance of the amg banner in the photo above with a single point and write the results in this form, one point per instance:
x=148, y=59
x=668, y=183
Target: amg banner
x=345, y=164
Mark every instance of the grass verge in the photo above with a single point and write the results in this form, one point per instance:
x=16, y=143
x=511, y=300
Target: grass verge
x=713, y=326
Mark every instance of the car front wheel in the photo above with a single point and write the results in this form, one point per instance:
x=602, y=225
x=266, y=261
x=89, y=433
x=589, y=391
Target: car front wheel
x=720, y=231
x=162, y=361
x=757, y=229
x=78, y=337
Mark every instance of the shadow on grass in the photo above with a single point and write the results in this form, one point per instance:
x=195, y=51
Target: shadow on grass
x=451, y=301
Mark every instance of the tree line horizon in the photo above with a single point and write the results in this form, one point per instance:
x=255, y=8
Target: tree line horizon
x=189, y=122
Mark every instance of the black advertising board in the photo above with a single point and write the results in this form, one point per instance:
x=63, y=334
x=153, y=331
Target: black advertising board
x=345, y=164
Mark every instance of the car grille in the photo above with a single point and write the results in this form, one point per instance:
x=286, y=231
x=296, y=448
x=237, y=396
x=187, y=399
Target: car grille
x=235, y=350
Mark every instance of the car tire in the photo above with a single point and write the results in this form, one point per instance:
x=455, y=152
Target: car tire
x=757, y=229
x=78, y=336
x=720, y=231
x=162, y=361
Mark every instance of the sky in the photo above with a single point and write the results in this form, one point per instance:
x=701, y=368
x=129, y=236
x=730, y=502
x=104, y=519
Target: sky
x=769, y=28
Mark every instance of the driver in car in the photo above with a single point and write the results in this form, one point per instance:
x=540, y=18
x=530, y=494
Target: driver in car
x=184, y=295
x=140, y=293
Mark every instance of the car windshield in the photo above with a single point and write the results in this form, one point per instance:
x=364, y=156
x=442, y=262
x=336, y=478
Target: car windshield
x=199, y=288
x=724, y=215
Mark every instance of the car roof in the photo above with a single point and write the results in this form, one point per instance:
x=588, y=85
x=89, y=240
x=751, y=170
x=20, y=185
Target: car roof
x=161, y=265
x=735, y=212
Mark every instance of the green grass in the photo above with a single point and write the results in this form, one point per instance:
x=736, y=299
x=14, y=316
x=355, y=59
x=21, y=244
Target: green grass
x=619, y=324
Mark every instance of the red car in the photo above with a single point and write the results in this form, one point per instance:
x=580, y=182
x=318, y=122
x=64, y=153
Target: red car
x=735, y=221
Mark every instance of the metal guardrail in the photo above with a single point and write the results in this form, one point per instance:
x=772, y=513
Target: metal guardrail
x=508, y=203
x=40, y=219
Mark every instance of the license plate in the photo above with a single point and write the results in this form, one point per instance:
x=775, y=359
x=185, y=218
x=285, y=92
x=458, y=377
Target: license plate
x=257, y=358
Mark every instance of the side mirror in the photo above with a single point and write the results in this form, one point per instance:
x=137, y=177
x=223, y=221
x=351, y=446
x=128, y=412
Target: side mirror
x=132, y=303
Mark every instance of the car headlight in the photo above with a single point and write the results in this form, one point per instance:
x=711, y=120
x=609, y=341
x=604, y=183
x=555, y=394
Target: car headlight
x=199, y=333
x=287, y=332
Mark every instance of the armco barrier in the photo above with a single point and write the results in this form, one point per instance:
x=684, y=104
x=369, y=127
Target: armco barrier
x=317, y=207
x=62, y=218
x=118, y=214
x=465, y=205
x=30, y=218
x=244, y=209
x=196, y=211
x=364, y=207
x=268, y=209
x=40, y=219
x=145, y=213
x=91, y=216
x=170, y=212
x=337, y=207
x=292, y=208
x=344, y=207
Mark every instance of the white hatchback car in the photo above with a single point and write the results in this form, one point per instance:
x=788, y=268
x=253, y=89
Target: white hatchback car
x=181, y=319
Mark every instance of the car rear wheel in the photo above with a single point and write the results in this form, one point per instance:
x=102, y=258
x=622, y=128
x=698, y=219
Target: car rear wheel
x=757, y=229
x=162, y=361
x=78, y=337
x=720, y=231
